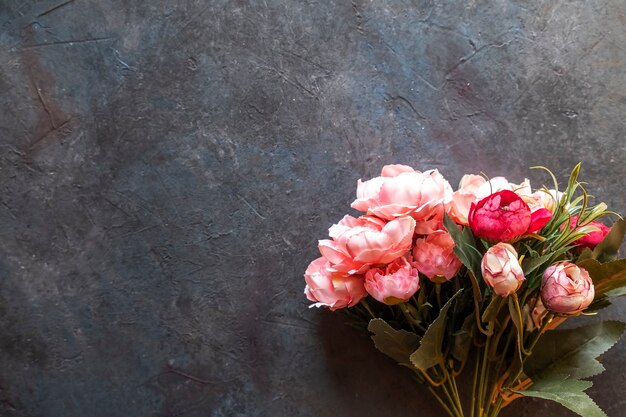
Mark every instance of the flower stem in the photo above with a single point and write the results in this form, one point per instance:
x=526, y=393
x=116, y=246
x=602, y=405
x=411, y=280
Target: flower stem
x=438, y=294
x=441, y=402
x=367, y=307
x=484, y=372
x=476, y=366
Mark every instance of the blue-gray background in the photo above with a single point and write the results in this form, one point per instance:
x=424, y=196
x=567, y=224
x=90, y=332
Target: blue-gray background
x=166, y=168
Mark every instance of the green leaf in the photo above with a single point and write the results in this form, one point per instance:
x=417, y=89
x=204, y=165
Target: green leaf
x=605, y=299
x=609, y=247
x=619, y=292
x=585, y=254
x=463, y=339
x=465, y=245
x=572, y=352
x=606, y=277
x=562, y=357
x=430, y=352
x=567, y=392
x=531, y=264
x=397, y=344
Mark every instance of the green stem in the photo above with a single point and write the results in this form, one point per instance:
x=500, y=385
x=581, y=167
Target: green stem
x=441, y=402
x=438, y=294
x=498, y=407
x=476, y=366
x=450, y=398
x=456, y=400
x=546, y=321
x=457, y=397
x=413, y=322
x=520, y=329
x=484, y=372
x=367, y=307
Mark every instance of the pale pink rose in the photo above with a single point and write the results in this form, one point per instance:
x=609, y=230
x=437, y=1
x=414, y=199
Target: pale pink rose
x=395, y=170
x=499, y=184
x=501, y=269
x=522, y=189
x=462, y=199
x=492, y=186
x=332, y=289
x=434, y=256
x=361, y=242
x=548, y=200
x=566, y=288
x=394, y=284
x=400, y=192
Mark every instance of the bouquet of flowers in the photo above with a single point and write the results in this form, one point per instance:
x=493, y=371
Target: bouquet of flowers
x=472, y=284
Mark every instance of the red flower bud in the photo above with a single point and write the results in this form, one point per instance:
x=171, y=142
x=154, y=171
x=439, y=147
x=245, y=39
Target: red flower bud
x=591, y=239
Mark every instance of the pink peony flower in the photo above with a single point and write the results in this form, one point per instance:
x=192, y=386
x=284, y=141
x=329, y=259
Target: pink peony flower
x=402, y=191
x=542, y=199
x=591, y=239
x=358, y=243
x=501, y=269
x=394, y=284
x=464, y=197
x=332, y=289
x=523, y=189
x=566, y=288
x=501, y=216
x=434, y=256
x=395, y=170
x=494, y=185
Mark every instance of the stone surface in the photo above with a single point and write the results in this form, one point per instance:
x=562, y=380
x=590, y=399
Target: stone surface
x=166, y=168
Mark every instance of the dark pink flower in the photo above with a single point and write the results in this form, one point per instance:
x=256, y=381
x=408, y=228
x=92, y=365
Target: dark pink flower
x=501, y=216
x=591, y=239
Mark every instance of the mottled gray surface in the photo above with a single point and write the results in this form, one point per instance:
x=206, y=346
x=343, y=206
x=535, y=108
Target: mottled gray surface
x=167, y=167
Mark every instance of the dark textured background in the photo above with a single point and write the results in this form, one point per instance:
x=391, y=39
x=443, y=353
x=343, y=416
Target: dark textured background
x=167, y=167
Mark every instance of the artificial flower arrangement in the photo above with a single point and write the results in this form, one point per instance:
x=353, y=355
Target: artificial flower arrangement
x=476, y=281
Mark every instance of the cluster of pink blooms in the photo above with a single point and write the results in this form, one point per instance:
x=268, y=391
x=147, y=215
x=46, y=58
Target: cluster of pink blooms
x=401, y=235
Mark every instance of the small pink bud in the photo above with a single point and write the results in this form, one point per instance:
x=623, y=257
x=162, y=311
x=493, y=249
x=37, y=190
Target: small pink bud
x=566, y=288
x=501, y=269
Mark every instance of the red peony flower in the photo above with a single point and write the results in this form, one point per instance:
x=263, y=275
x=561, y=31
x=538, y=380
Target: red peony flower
x=501, y=216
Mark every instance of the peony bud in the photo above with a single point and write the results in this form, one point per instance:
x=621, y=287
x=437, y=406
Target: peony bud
x=434, y=256
x=591, y=239
x=501, y=216
x=566, y=288
x=393, y=285
x=332, y=289
x=501, y=269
